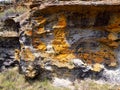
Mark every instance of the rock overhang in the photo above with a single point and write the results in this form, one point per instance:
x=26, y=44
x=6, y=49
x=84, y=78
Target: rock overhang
x=92, y=11
x=93, y=26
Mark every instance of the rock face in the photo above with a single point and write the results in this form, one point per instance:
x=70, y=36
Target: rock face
x=75, y=31
x=61, y=31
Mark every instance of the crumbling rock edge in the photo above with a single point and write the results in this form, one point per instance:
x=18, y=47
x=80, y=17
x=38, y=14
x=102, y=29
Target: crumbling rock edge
x=49, y=35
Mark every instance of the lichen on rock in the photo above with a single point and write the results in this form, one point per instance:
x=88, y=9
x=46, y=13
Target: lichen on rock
x=60, y=32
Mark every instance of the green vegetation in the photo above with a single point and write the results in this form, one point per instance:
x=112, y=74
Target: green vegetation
x=12, y=80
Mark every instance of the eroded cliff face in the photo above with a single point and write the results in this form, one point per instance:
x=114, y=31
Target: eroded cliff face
x=67, y=35
x=90, y=33
x=64, y=34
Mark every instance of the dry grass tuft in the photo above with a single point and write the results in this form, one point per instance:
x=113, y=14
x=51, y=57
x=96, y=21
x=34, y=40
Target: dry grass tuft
x=12, y=80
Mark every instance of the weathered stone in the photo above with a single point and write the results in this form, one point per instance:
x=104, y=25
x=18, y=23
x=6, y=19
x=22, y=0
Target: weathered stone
x=27, y=55
x=113, y=64
x=63, y=31
x=114, y=44
x=112, y=36
x=69, y=44
x=29, y=69
x=97, y=67
x=17, y=55
x=28, y=32
x=39, y=45
x=114, y=26
x=78, y=62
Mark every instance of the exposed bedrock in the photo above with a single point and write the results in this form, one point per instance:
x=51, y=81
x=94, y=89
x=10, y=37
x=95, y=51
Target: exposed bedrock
x=7, y=50
x=90, y=33
x=66, y=34
x=9, y=41
x=72, y=38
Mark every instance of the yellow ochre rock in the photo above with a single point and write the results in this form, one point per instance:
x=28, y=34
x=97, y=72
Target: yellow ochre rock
x=97, y=67
x=40, y=30
x=17, y=55
x=59, y=42
x=27, y=55
x=112, y=36
x=61, y=23
x=114, y=26
x=38, y=44
x=41, y=46
x=28, y=32
x=41, y=20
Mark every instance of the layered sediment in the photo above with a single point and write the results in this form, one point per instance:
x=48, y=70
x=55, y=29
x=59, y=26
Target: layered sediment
x=70, y=34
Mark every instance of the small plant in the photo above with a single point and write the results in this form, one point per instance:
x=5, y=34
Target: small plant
x=12, y=80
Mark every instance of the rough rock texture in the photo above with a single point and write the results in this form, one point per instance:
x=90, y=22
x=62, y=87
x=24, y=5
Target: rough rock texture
x=75, y=31
x=9, y=41
x=59, y=31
